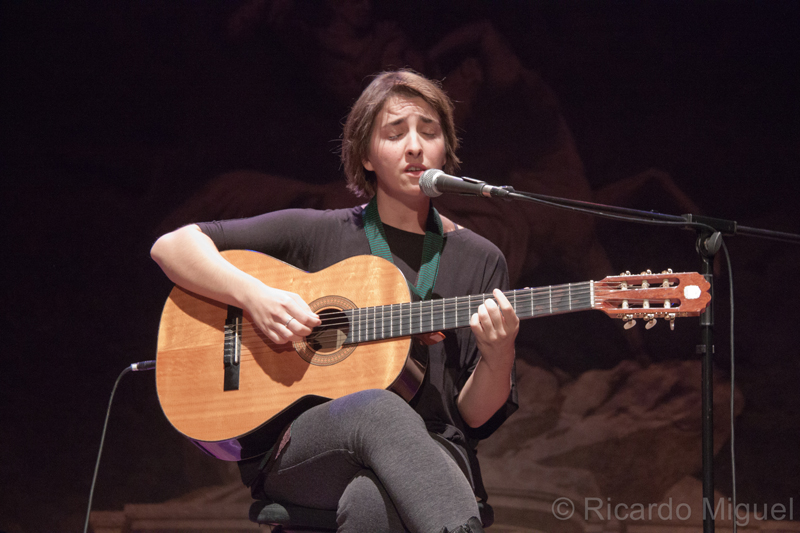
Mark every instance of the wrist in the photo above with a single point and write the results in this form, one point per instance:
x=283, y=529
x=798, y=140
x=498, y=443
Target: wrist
x=498, y=366
x=245, y=291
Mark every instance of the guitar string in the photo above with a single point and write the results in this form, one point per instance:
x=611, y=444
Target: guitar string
x=438, y=311
x=370, y=328
x=432, y=311
x=405, y=314
x=437, y=307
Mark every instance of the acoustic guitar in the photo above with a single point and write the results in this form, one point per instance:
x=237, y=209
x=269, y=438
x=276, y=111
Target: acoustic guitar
x=230, y=390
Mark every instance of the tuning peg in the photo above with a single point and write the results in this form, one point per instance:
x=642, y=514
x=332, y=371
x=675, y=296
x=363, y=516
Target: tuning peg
x=646, y=273
x=671, y=319
x=629, y=324
x=667, y=271
x=650, y=323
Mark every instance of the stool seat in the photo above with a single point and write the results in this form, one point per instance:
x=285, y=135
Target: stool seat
x=289, y=518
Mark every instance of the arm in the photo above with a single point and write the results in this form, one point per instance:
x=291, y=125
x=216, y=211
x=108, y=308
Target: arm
x=495, y=327
x=190, y=259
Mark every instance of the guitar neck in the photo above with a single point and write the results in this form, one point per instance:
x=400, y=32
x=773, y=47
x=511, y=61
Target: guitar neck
x=401, y=320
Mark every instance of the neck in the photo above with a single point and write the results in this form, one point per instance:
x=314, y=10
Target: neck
x=411, y=217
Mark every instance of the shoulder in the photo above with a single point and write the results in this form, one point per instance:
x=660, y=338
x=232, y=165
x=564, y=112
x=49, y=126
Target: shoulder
x=466, y=237
x=272, y=232
x=315, y=215
x=467, y=240
x=474, y=261
x=298, y=218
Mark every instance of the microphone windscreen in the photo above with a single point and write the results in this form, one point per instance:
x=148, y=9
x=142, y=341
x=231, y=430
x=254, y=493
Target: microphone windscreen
x=427, y=182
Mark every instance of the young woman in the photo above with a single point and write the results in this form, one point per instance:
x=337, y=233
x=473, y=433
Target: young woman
x=381, y=463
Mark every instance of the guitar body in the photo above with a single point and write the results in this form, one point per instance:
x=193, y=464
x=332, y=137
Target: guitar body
x=274, y=383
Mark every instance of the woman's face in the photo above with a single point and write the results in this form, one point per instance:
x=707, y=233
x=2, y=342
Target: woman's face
x=407, y=139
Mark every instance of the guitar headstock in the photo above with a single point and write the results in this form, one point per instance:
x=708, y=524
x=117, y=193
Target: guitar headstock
x=650, y=296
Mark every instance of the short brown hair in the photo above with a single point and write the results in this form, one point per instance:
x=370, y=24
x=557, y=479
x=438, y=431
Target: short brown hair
x=358, y=127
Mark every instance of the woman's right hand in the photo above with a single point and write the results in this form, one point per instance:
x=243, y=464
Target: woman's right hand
x=281, y=315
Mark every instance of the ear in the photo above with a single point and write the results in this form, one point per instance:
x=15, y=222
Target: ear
x=368, y=165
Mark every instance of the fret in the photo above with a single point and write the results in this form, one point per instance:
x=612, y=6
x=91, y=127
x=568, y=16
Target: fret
x=377, y=327
x=569, y=295
x=366, y=324
x=353, y=325
x=400, y=330
x=531, y=311
x=400, y=319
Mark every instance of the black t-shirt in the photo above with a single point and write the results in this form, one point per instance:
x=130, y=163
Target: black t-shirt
x=313, y=240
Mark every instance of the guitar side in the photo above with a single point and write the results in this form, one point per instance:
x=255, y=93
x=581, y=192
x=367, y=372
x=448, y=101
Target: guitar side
x=272, y=379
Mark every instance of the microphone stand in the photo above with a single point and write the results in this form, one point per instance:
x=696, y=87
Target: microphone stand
x=709, y=240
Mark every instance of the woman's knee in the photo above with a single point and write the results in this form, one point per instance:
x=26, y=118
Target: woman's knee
x=375, y=407
x=377, y=417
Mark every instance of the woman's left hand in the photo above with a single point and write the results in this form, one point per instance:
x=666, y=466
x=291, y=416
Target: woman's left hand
x=495, y=327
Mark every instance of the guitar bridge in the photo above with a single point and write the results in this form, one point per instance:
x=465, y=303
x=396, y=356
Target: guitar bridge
x=232, y=348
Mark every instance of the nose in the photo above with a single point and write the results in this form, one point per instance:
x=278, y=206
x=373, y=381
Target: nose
x=414, y=146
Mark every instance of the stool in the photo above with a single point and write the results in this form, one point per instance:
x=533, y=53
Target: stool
x=293, y=518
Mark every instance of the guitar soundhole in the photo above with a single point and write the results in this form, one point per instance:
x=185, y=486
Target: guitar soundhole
x=326, y=343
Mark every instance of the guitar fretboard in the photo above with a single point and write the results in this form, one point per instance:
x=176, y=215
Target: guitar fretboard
x=400, y=320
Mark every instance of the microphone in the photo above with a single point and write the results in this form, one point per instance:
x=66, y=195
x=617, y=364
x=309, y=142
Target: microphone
x=434, y=182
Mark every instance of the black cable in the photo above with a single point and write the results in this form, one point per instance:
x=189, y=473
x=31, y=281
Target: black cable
x=136, y=367
x=733, y=386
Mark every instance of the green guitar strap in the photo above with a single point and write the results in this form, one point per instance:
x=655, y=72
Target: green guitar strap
x=431, y=248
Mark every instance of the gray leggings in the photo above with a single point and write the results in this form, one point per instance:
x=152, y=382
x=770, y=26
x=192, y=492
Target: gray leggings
x=369, y=456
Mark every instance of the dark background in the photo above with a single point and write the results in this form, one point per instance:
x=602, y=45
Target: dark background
x=115, y=113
